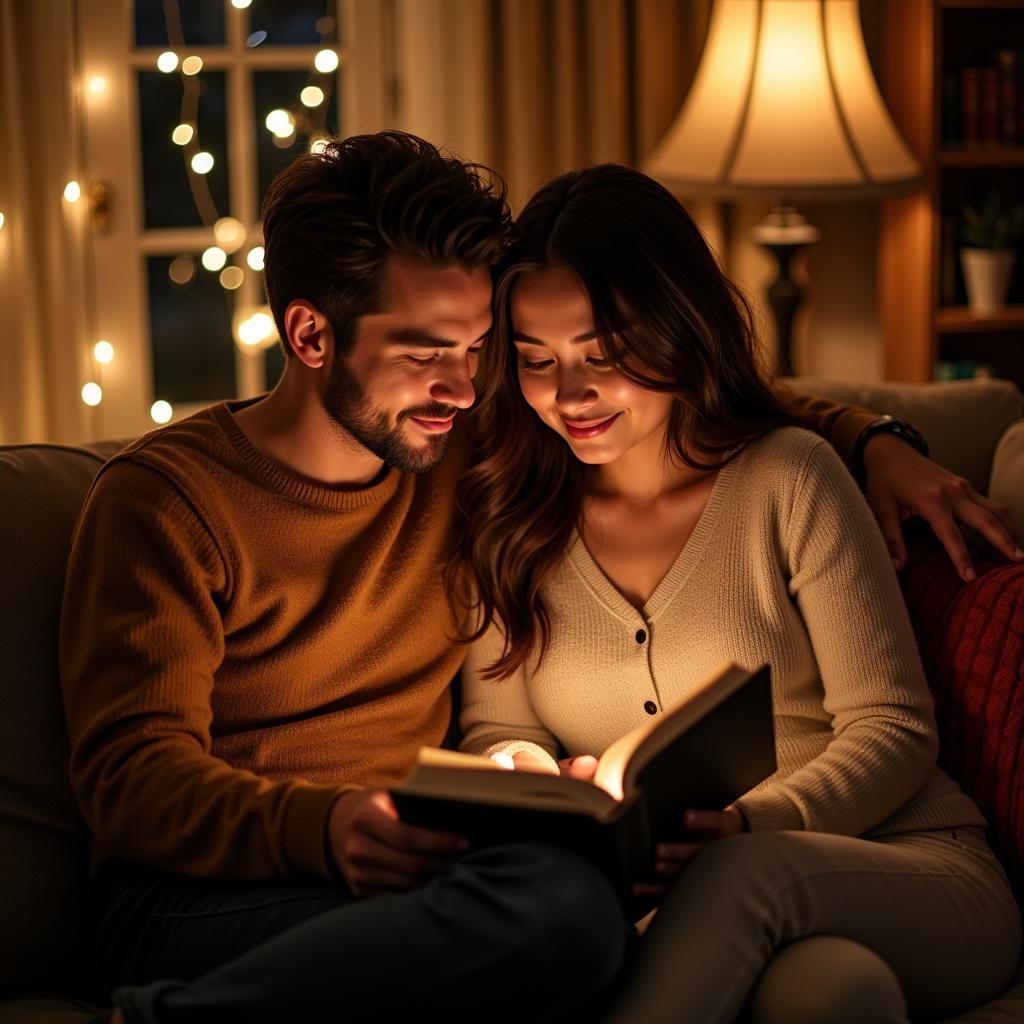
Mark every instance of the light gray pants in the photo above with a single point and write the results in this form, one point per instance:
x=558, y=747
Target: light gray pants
x=802, y=927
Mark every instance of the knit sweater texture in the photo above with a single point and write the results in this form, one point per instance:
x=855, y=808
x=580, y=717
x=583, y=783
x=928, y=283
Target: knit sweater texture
x=785, y=566
x=240, y=645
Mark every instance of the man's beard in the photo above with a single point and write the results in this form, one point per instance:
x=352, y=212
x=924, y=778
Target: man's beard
x=346, y=403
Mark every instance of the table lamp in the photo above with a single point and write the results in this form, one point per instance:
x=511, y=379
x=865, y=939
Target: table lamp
x=784, y=103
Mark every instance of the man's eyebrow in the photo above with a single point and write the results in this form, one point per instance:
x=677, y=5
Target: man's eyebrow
x=586, y=336
x=421, y=339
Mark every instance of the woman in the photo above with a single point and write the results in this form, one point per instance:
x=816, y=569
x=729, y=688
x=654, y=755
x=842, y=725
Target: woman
x=642, y=512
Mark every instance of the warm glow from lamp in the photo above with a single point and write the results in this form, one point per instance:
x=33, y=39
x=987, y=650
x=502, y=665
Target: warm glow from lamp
x=92, y=393
x=784, y=101
x=240, y=5
x=96, y=85
x=103, y=351
x=2, y=219
x=72, y=192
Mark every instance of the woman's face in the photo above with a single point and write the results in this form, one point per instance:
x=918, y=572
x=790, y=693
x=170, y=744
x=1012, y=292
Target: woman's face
x=567, y=381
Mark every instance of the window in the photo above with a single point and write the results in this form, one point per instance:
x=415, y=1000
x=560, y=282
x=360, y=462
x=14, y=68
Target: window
x=204, y=102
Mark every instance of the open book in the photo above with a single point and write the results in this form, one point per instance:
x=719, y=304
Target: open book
x=704, y=752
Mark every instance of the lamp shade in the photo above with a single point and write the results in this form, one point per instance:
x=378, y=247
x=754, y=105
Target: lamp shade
x=784, y=102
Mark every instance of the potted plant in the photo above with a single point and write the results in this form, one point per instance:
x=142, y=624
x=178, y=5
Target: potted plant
x=990, y=230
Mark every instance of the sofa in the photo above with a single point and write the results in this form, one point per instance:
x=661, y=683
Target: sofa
x=46, y=938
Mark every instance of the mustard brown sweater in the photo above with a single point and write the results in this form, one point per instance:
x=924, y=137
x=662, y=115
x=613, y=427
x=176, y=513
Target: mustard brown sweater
x=787, y=566
x=240, y=645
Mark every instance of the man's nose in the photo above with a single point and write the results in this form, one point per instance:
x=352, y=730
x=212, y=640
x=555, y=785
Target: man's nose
x=454, y=388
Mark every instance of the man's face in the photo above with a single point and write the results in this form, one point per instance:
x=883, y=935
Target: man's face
x=411, y=368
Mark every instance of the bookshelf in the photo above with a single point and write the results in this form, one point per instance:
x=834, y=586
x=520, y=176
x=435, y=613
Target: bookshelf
x=927, y=328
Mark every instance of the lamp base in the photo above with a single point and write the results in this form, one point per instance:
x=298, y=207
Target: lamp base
x=783, y=233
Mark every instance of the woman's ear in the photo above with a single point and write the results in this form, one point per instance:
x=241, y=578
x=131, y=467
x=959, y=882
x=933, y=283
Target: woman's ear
x=309, y=333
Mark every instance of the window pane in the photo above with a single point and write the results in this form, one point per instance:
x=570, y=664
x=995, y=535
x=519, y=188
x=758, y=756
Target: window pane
x=168, y=197
x=202, y=22
x=190, y=331
x=294, y=22
x=281, y=90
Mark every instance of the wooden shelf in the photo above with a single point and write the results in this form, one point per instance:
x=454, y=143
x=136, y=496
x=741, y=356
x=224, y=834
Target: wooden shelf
x=981, y=159
x=963, y=320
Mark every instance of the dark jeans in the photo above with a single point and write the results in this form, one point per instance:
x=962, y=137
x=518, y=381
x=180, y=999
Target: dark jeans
x=517, y=931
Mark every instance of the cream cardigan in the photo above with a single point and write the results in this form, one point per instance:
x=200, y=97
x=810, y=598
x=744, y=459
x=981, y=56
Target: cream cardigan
x=786, y=566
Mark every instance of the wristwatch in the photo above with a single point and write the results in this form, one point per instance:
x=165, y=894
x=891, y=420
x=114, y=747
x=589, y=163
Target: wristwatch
x=886, y=425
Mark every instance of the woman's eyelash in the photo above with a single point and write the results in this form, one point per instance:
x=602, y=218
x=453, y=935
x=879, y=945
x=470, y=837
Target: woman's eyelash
x=525, y=364
x=598, y=362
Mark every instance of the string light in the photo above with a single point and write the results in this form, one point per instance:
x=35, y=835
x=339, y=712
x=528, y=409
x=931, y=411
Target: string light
x=92, y=393
x=231, y=278
x=255, y=258
x=230, y=233
x=182, y=134
x=182, y=270
x=97, y=84
x=167, y=61
x=161, y=411
x=256, y=330
x=280, y=123
x=326, y=61
x=240, y=4
x=312, y=96
x=2, y=219
x=103, y=352
x=318, y=146
x=214, y=258
x=192, y=65
x=72, y=192
x=202, y=162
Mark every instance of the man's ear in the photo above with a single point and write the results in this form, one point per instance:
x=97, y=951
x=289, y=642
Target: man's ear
x=309, y=333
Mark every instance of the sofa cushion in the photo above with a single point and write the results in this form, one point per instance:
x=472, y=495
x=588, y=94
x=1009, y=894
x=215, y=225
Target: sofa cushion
x=1007, y=480
x=45, y=941
x=962, y=420
x=971, y=637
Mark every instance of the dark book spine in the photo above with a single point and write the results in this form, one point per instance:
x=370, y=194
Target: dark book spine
x=970, y=97
x=1009, y=70
x=990, y=107
x=952, y=137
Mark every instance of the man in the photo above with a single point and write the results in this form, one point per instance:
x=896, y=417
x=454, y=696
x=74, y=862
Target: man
x=256, y=640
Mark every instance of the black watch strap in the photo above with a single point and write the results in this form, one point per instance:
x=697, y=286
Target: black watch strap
x=886, y=425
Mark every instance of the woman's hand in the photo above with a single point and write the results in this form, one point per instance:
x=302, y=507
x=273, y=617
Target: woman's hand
x=673, y=857
x=581, y=767
x=901, y=482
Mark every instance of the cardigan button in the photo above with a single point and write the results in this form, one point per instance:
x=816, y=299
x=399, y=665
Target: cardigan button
x=641, y=636
x=650, y=707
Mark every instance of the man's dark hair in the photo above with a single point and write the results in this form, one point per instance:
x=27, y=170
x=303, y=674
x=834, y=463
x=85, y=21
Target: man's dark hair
x=332, y=219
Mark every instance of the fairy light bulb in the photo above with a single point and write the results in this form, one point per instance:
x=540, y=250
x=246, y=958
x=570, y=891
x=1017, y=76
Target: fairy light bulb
x=229, y=233
x=72, y=192
x=182, y=134
x=312, y=96
x=214, y=258
x=202, y=162
x=167, y=61
x=161, y=411
x=92, y=393
x=103, y=352
x=280, y=123
x=255, y=258
x=326, y=61
x=231, y=278
x=192, y=65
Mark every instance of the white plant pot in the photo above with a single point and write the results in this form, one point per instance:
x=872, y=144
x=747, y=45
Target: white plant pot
x=987, y=274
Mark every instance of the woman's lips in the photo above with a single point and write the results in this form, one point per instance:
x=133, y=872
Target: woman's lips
x=582, y=430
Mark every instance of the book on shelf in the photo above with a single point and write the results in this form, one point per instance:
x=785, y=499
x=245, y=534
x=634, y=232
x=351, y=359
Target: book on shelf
x=702, y=753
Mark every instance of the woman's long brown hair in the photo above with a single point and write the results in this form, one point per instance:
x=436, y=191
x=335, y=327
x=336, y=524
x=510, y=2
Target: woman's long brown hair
x=667, y=318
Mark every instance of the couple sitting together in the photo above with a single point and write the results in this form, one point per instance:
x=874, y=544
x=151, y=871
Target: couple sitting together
x=541, y=451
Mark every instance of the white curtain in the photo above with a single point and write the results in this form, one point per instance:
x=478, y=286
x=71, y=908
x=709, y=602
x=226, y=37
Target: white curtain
x=44, y=299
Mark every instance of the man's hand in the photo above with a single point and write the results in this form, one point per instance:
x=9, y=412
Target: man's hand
x=378, y=853
x=673, y=857
x=901, y=482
